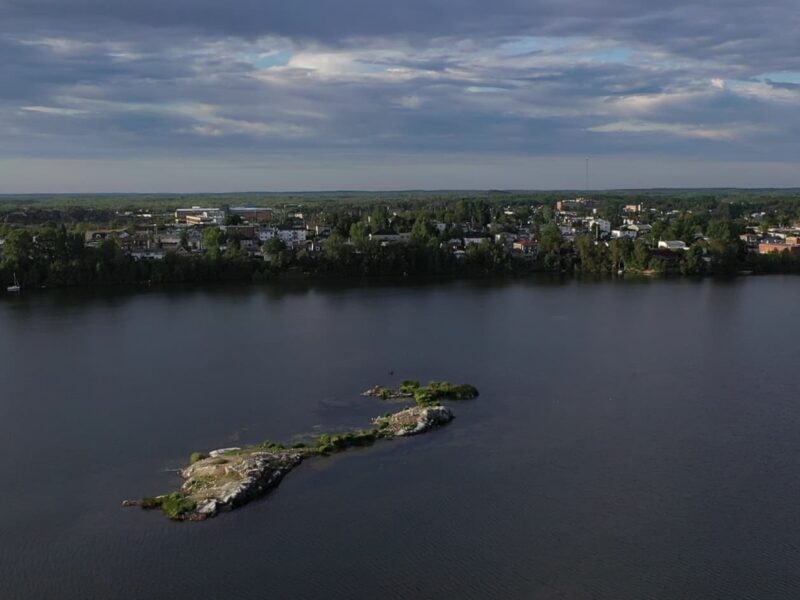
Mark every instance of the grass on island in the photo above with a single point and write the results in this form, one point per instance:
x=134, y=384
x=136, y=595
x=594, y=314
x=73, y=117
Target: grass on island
x=330, y=443
x=435, y=391
x=174, y=505
x=427, y=395
x=323, y=444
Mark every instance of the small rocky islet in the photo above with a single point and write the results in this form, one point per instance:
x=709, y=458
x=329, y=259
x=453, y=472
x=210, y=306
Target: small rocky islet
x=228, y=478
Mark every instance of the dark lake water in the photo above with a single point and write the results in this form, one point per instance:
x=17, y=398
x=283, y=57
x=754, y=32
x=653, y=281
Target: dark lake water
x=632, y=440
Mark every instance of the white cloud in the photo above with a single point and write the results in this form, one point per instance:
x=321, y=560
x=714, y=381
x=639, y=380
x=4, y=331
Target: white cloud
x=54, y=110
x=766, y=92
x=677, y=129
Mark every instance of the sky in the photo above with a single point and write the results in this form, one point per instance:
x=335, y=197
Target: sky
x=278, y=95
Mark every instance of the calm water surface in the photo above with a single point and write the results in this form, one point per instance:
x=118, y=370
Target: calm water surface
x=631, y=441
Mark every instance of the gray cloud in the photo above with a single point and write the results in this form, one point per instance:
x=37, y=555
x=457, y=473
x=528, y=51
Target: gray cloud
x=202, y=80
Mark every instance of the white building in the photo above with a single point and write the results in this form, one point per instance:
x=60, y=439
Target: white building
x=200, y=216
x=602, y=225
x=672, y=245
x=388, y=238
x=623, y=232
x=291, y=236
x=469, y=241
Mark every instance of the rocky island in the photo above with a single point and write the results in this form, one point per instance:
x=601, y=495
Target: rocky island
x=231, y=477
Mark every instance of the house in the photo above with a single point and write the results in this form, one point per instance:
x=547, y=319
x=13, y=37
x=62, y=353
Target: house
x=792, y=239
x=389, y=237
x=504, y=237
x=471, y=239
x=267, y=233
x=148, y=255
x=290, y=237
x=320, y=230
x=751, y=240
x=194, y=237
x=528, y=247
x=774, y=246
x=568, y=231
x=640, y=228
x=672, y=245
x=622, y=232
x=98, y=235
x=602, y=225
x=239, y=232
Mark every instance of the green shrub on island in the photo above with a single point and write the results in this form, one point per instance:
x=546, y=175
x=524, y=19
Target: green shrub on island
x=175, y=505
x=409, y=386
x=330, y=443
x=150, y=503
x=270, y=445
x=431, y=393
x=196, y=456
x=443, y=390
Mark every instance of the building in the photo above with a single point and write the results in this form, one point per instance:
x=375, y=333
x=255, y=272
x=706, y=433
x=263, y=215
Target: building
x=252, y=214
x=239, y=232
x=200, y=216
x=672, y=245
x=770, y=247
x=623, y=232
x=320, y=230
x=751, y=240
x=576, y=204
x=505, y=237
x=470, y=240
x=602, y=225
x=529, y=247
x=389, y=237
x=292, y=236
x=147, y=255
x=93, y=238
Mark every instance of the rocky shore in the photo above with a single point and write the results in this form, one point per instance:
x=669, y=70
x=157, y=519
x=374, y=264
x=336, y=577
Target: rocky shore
x=231, y=477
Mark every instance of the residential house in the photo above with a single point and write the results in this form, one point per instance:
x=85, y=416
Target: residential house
x=673, y=245
x=390, y=237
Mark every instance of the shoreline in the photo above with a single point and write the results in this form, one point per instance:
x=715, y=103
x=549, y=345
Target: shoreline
x=352, y=281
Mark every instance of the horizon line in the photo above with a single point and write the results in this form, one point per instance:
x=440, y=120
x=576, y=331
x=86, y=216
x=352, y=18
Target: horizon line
x=410, y=191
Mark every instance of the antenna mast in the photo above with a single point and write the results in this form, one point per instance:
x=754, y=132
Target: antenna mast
x=586, y=181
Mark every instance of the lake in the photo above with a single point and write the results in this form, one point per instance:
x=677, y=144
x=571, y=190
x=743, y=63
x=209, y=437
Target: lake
x=632, y=440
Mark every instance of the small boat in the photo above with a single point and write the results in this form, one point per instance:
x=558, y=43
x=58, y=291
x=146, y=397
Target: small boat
x=14, y=288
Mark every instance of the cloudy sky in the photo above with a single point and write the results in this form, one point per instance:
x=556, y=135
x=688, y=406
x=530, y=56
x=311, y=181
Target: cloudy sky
x=206, y=95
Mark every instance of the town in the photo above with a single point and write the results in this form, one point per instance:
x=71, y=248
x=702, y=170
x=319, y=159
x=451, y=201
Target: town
x=426, y=236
